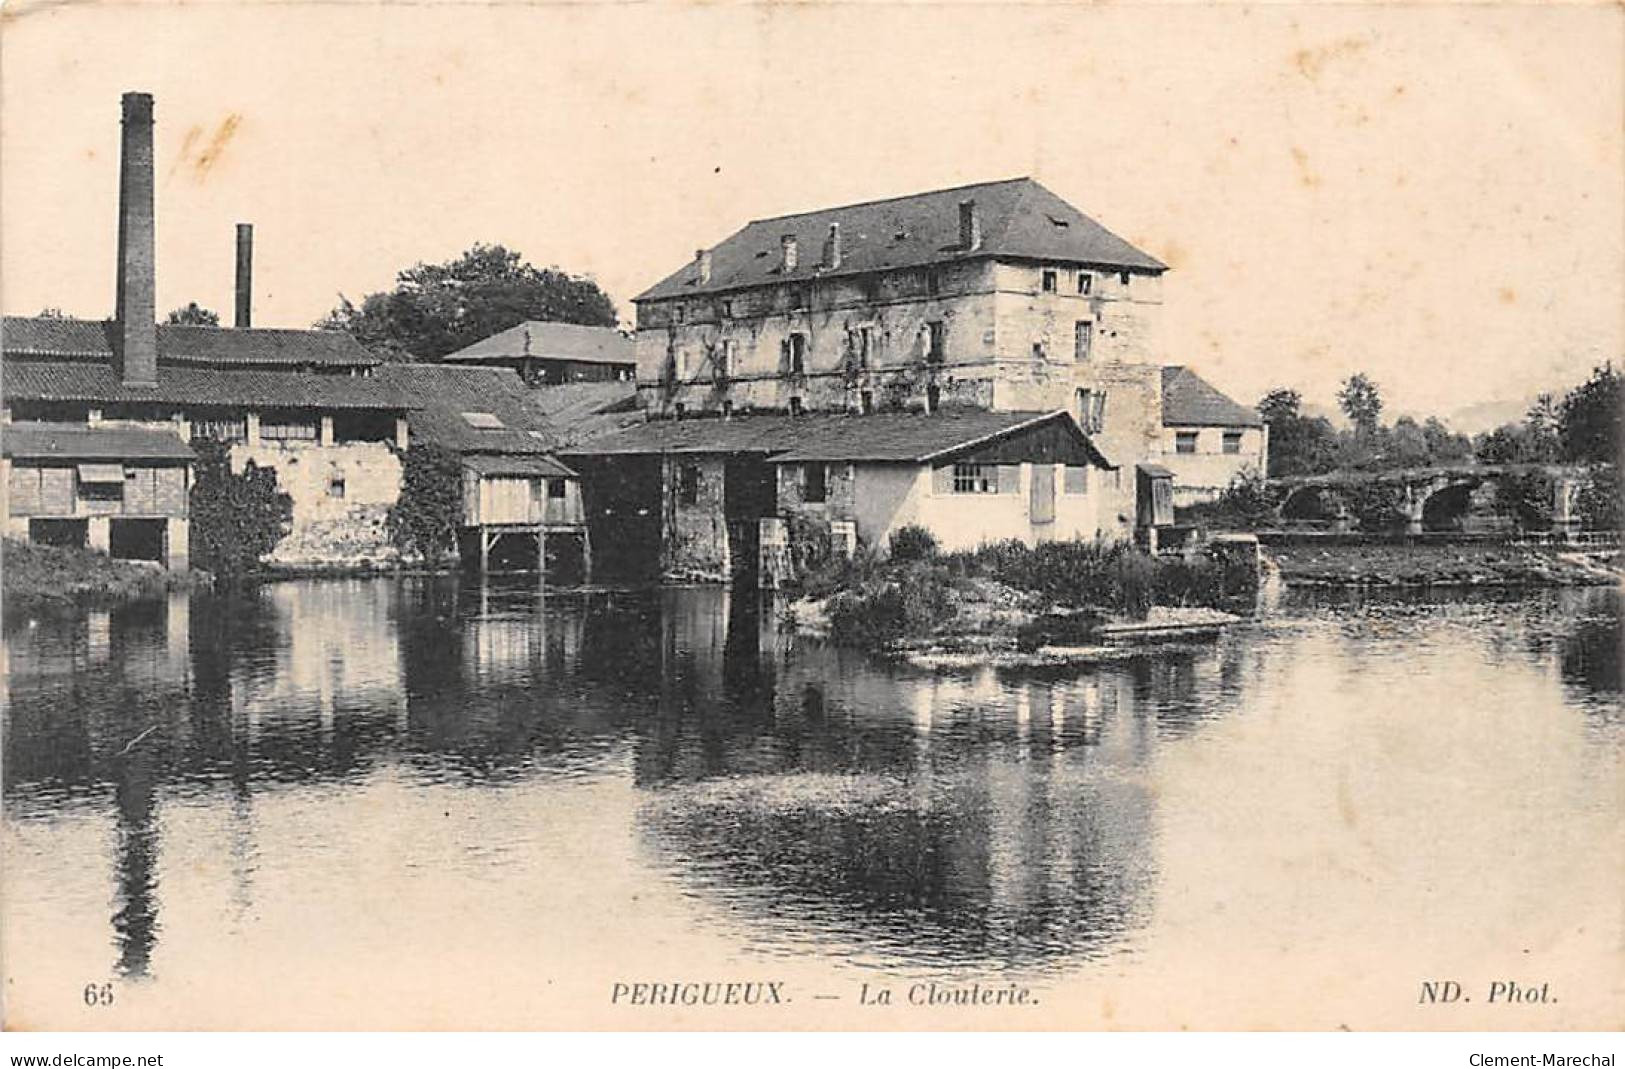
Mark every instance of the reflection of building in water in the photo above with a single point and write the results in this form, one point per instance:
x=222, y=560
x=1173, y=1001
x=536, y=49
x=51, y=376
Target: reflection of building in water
x=999, y=815
x=135, y=915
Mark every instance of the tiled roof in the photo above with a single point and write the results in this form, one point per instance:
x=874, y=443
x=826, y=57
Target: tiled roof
x=68, y=441
x=891, y=437
x=511, y=465
x=440, y=395
x=551, y=341
x=1188, y=400
x=62, y=380
x=1020, y=219
x=93, y=339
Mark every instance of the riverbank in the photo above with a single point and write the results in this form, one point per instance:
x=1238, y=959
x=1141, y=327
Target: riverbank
x=1010, y=599
x=37, y=575
x=1307, y=564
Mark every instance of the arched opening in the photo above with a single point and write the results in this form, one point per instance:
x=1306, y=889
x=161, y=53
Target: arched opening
x=1446, y=510
x=1310, y=506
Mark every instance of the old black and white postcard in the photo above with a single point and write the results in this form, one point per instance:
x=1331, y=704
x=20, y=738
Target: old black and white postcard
x=810, y=516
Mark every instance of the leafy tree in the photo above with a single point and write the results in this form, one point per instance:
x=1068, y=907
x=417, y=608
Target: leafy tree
x=1299, y=445
x=236, y=518
x=1599, y=499
x=1361, y=403
x=1280, y=405
x=1588, y=420
x=193, y=315
x=424, y=520
x=436, y=309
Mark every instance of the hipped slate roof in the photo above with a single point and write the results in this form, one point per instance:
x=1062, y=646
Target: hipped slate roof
x=1020, y=219
x=551, y=341
x=61, y=380
x=1188, y=400
x=886, y=437
x=440, y=395
x=74, y=442
x=88, y=339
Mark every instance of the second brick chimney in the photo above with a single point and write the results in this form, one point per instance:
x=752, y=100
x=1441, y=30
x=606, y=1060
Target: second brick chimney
x=970, y=226
x=136, y=306
x=832, y=248
x=789, y=257
x=245, y=276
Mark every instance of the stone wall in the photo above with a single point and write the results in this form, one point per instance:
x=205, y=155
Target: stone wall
x=1203, y=475
x=694, y=534
x=341, y=496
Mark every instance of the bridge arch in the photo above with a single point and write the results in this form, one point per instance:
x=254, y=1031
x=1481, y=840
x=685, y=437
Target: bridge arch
x=1311, y=504
x=1447, y=507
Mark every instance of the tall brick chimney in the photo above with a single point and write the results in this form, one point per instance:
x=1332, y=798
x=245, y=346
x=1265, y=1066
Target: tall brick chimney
x=789, y=257
x=136, y=309
x=832, y=248
x=970, y=226
x=245, y=276
x=702, y=264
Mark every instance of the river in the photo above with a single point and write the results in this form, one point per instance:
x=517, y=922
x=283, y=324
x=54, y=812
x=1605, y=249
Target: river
x=353, y=803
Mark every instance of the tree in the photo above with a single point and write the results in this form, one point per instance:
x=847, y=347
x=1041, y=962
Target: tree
x=1588, y=419
x=424, y=519
x=436, y=309
x=1280, y=405
x=193, y=315
x=236, y=518
x=1299, y=445
x=1361, y=403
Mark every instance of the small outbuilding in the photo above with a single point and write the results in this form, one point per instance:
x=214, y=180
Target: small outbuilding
x=124, y=491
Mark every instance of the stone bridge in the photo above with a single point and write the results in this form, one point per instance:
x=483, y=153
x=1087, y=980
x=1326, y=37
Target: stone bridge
x=1446, y=498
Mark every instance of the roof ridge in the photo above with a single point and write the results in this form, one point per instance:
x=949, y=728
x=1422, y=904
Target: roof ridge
x=889, y=200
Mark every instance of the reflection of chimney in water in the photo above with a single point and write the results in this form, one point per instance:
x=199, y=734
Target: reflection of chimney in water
x=137, y=301
x=135, y=920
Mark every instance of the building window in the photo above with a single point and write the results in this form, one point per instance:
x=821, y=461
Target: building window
x=688, y=484
x=1122, y=278
x=678, y=313
x=866, y=346
x=937, y=348
x=1184, y=441
x=933, y=398
x=1083, y=336
x=727, y=408
x=102, y=482
x=814, y=483
x=727, y=309
x=798, y=297
x=933, y=283
x=555, y=489
x=220, y=430
x=795, y=405
x=1038, y=350
x=724, y=360
x=1086, y=283
x=1091, y=410
x=335, y=484
x=1232, y=441
x=797, y=347
x=1076, y=480
x=866, y=402
x=679, y=409
x=1047, y=281
x=976, y=479
x=288, y=429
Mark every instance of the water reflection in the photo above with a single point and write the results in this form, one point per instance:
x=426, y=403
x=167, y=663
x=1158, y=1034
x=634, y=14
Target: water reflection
x=800, y=793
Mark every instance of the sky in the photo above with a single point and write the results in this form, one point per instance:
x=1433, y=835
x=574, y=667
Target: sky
x=1434, y=195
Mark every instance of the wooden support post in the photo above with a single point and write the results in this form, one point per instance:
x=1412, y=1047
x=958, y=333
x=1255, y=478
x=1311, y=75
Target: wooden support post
x=485, y=552
x=541, y=555
x=586, y=556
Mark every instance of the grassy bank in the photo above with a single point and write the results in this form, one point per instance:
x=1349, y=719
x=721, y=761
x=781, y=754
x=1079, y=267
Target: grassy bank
x=1007, y=593
x=1439, y=565
x=45, y=575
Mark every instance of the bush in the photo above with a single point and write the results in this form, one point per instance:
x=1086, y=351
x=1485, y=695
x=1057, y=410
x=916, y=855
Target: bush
x=1598, y=500
x=236, y=519
x=909, y=602
x=913, y=543
x=424, y=519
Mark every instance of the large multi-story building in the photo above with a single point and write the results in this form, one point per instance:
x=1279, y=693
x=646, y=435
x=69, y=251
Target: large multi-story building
x=997, y=296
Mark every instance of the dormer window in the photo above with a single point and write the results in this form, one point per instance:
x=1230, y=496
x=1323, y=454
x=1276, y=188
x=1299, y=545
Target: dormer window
x=1086, y=283
x=1047, y=281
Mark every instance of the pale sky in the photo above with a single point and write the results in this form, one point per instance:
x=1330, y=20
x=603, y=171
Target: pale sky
x=1433, y=195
